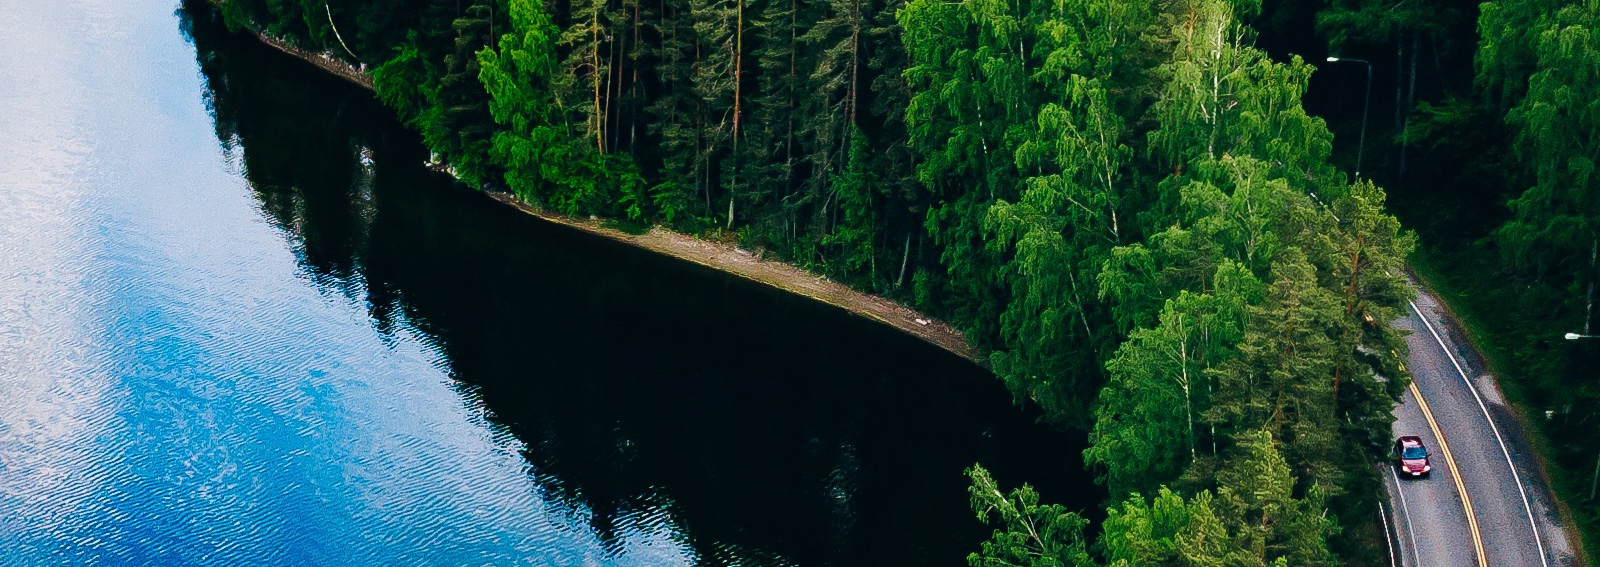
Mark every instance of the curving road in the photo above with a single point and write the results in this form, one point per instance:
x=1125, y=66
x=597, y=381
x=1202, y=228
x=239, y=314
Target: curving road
x=1487, y=503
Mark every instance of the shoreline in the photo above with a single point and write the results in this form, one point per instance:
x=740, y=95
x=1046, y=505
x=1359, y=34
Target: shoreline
x=781, y=275
x=720, y=257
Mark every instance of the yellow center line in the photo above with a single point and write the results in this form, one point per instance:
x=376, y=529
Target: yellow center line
x=1455, y=475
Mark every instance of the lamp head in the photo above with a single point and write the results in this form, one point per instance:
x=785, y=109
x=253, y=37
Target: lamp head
x=1333, y=59
x=1573, y=336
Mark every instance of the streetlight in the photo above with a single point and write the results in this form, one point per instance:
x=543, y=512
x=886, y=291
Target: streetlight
x=1362, y=146
x=1595, y=484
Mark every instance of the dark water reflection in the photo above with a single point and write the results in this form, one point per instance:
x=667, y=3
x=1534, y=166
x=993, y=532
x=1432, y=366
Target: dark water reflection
x=437, y=379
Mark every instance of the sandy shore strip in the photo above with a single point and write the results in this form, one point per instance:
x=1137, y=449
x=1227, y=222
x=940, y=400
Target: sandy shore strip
x=776, y=274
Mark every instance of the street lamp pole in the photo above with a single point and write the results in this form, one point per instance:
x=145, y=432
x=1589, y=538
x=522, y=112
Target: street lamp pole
x=1361, y=147
x=1594, y=484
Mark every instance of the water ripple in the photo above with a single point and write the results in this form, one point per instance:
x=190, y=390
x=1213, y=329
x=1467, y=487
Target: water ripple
x=214, y=354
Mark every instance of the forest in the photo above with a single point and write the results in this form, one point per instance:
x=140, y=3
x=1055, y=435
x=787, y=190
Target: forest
x=1137, y=210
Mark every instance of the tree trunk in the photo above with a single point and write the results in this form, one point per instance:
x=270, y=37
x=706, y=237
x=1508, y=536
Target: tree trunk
x=905, y=260
x=1411, y=101
x=855, y=66
x=1088, y=334
x=1588, y=312
x=1188, y=404
x=615, y=79
x=1349, y=310
x=738, y=75
x=1399, y=88
x=1596, y=482
x=594, y=57
x=633, y=85
x=336, y=34
x=794, y=50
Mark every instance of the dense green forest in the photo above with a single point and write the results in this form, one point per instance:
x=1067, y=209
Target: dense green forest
x=1507, y=203
x=1127, y=205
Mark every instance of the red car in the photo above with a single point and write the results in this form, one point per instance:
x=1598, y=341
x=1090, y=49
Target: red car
x=1410, y=457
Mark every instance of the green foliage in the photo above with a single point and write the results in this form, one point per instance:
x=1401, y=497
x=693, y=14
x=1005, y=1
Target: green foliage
x=1153, y=533
x=542, y=162
x=1269, y=523
x=1150, y=422
x=1059, y=231
x=1212, y=352
x=520, y=78
x=857, y=234
x=965, y=117
x=1557, y=220
x=1282, y=379
x=1123, y=203
x=1255, y=517
x=1367, y=255
x=1522, y=267
x=1030, y=534
x=1356, y=22
x=1508, y=53
x=400, y=82
x=1227, y=98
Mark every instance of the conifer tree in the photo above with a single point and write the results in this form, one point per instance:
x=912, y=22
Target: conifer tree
x=833, y=88
x=1282, y=380
x=586, y=37
x=905, y=205
x=856, y=233
x=1367, y=266
x=716, y=27
x=1256, y=494
x=676, y=117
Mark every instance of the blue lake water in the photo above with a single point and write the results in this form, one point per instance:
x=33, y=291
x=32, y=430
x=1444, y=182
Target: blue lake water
x=240, y=324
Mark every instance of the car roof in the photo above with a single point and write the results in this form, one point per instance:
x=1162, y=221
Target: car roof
x=1410, y=441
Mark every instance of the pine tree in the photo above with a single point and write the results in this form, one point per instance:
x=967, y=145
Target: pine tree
x=832, y=93
x=906, y=200
x=856, y=233
x=772, y=138
x=717, y=29
x=1256, y=495
x=586, y=37
x=1367, y=266
x=1282, y=380
x=462, y=124
x=675, y=116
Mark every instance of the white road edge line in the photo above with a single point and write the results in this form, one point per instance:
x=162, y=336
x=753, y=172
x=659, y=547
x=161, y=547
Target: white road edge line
x=1496, y=430
x=1384, y=515
x=1405, y=510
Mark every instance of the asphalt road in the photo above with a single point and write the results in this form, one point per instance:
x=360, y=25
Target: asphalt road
x=1487, y=502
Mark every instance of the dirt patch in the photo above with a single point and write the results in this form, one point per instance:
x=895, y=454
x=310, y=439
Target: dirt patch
x=325, y=61
x=732, y=260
